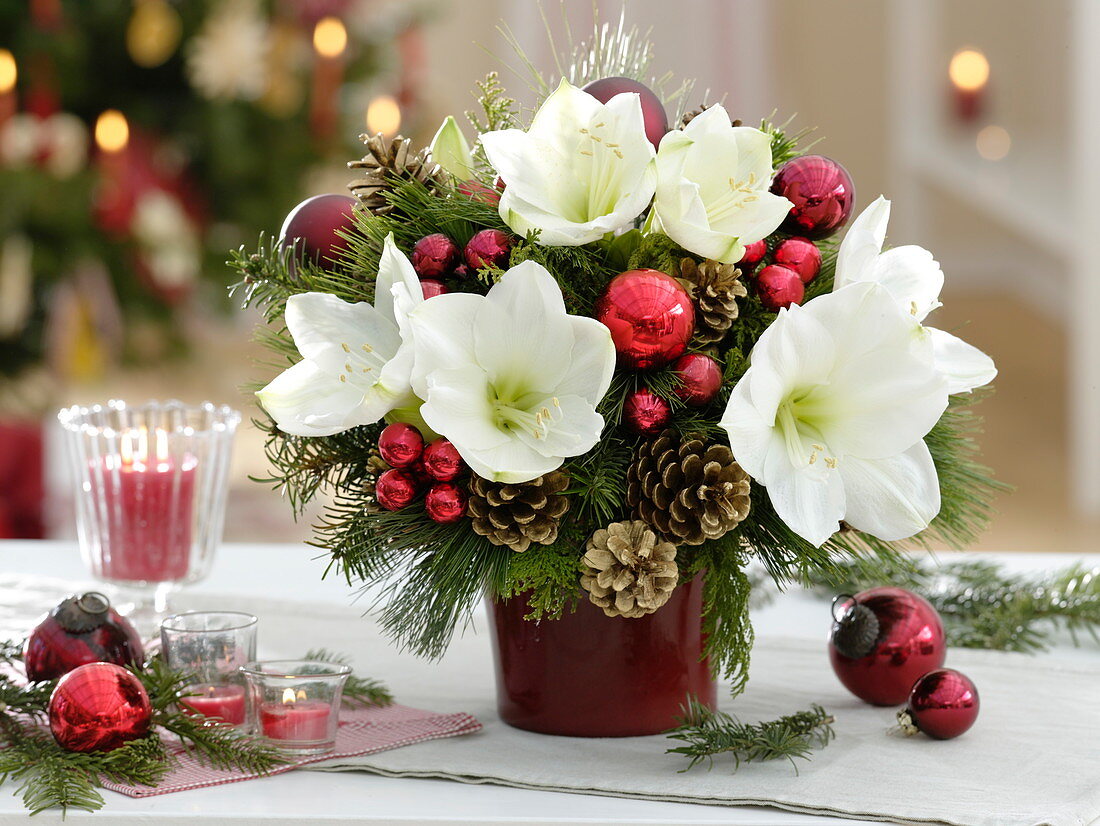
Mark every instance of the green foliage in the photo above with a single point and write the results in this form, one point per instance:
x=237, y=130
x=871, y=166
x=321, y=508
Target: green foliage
x=547, y=574
x=498, y=111
x=785, y=145
x=726, y=621
x=358, y=691
x=706, y=733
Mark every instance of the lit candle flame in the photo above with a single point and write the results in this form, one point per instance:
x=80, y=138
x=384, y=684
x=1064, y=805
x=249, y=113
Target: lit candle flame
x=330, y=37
x=383, y=115
x=9, y=73
x=112, y=132
x=288, y=696
x=969, y=70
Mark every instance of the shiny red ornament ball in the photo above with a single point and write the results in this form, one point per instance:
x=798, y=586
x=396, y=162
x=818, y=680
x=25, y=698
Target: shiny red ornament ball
x=650, y=316
x=433, y=256
x=754, y=254
x=907, y=642
x=442, y=462
x=396, y=488
x=82, y=629
x=653, y=111
x=822, y=194
x=312, y=229
x=400, y=444
x=488, y=248
x=431, y=288
x=700, y=379
x=99, y=707
x=779, y=287
x=800, y=255
x=943, y=704
x=646, y=413
x=445, y=502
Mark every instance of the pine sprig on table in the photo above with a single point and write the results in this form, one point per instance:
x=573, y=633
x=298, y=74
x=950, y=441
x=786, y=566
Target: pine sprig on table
x=358, y=691
x=706, y=733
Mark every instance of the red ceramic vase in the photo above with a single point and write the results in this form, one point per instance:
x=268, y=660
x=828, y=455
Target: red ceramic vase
x=590, y=675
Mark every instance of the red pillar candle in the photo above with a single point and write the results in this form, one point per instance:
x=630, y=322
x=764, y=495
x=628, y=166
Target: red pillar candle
x=225, y=702
x=296, y=720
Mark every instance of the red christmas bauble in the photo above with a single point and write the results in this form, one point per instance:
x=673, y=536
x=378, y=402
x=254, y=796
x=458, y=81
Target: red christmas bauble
x=396, y=488
x=488, y=248
x=646, y=413
x=700, y=379
x=754, y=254
x=400, y=444
x=653, y=111
x=312, y=227
x=431, y=288
x=445, y=502
x=905, y=641
x=99, y=707
x=779, y=287
x=943, y=704
x=82, y=629
x=442, y=462
x=821, y=192
x=800, y=255
x=650, y=316
x=435, y=255
x=478, y=191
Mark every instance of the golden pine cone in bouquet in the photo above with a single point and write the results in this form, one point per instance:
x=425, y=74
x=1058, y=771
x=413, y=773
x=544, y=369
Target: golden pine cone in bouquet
x=715, y=288
x=628, y=570
x=521, y=514
x=687, y=490
x=388, y=160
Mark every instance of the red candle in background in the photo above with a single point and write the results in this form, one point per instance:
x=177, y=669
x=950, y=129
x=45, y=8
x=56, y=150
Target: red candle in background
x=969, y=74
x=9, y=73
x=295, y=719
x=147, y=503
x=223, y=701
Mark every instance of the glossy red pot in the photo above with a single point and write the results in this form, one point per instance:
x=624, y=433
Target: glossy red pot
x=590, y=675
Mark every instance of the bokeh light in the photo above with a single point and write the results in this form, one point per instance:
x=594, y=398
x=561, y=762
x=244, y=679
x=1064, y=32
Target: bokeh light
x=8, y=71
x=330, y=37
x=112, y=132
x=969, y=70
x=383, y=115
x=993, y=142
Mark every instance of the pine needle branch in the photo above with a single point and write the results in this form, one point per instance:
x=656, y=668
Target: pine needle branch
x=358, y=691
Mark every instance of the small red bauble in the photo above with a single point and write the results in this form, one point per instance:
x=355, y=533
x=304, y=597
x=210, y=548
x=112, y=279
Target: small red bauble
x=478, y=191
x=821, y=192
x=646, y=413
x=943, y=704
x=461, y=271
x=883, y=641
x=800, y=255
x=488, y=248
x=431, y=288
x=650, y=316
x=82, y=629
x=99, y=707
x=400, y=444
x=779, y=287
x=700, y=379
x=433, y=256
x=312, y=227
x=653, y=111
x=445, y=502
x=442, y=462
x=396, y=488
x=754, y=254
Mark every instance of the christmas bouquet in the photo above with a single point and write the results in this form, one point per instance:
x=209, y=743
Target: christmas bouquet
x=605, y=353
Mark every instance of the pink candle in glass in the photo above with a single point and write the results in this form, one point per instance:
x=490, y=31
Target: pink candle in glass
x=223, y=701
x=148, y=507
x=295, y=720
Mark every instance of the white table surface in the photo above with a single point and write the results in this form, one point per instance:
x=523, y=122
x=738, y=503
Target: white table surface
x=292, y=573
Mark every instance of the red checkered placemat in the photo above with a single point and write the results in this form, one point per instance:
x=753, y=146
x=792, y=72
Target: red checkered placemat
x=361, y=731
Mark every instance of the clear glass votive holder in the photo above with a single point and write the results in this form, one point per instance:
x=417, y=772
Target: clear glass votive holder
x=150, y=484
x=211, y=647
x=295, y=704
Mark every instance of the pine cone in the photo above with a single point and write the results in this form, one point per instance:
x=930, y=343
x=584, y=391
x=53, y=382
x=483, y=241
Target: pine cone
x=517, y=515
x=688, y=117
x=628, y=571
x=715, y=288
x=686, y=490
x=387, y=160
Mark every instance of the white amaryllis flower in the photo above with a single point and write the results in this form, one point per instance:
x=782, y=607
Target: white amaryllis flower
x=914, y=278
x=510, y=378
x=712, y=187
x=356, y=359
x=583, y=168
x=831, y=416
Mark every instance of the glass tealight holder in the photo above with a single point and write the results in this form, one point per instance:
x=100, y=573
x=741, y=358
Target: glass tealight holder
x=295, y=704
x=150, y=486
x=211, y=647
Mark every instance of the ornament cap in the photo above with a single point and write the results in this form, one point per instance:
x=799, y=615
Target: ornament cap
x=906, y=723
x=855, y=631
x=81, y=613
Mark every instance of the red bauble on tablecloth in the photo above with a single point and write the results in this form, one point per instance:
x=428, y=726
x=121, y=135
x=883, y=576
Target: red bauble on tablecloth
x=82, y=629
x=99, y=707
x=650, y=316
x=943, y=704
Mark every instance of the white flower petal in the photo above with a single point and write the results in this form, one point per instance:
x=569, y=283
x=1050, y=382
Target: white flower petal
x=892, y=498
x=443, y=335
x=811, y=504
x=749, y=430
x=574, y=427
x=862, y=243
x=395, y=269
x=306, y=401
x=457, y=405
x=965, y=366
x=591, y=362
x=336, y=335
x=912, y=276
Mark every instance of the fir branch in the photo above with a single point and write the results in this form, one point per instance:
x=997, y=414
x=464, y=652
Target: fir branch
x=358, y=691
x=547, y=574
x=707, y=733
x=727, y=624
x=785, y=144
x=498, y=111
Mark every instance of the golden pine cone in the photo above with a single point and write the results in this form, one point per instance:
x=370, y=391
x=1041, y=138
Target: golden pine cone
x=627, y=570
x=715, y=288
x=686, y=490
x=519, y=515
x=387, y=160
